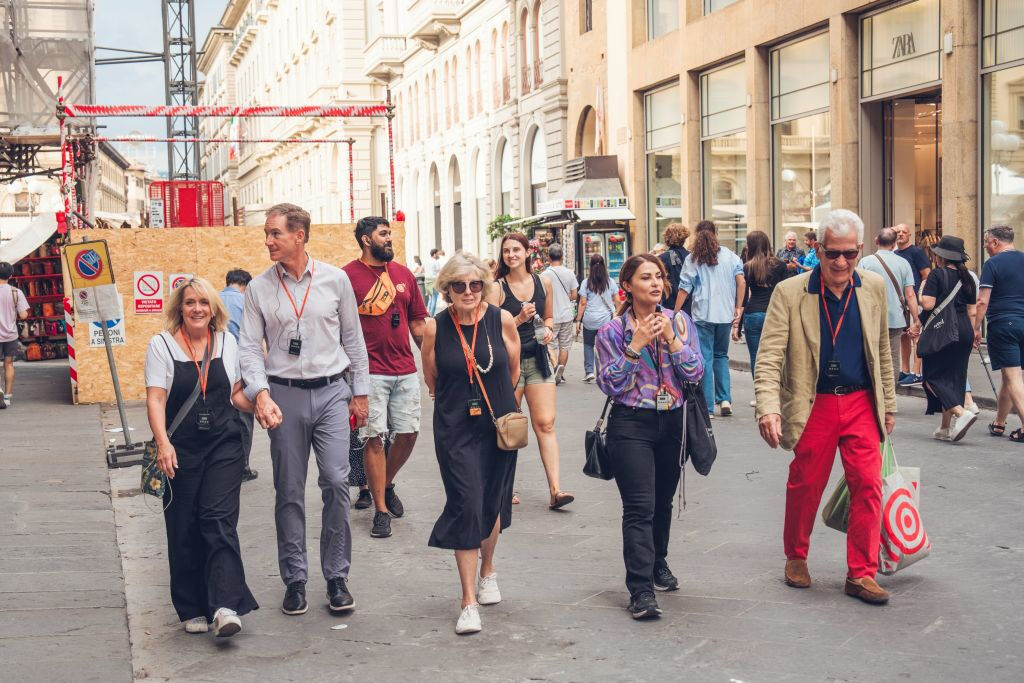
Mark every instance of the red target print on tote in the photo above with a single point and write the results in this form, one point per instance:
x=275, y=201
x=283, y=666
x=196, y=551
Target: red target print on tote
x=903, y=527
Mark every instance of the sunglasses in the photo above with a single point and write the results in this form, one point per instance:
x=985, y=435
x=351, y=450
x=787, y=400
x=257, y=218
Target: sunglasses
x=476, y=286
x=848, y=254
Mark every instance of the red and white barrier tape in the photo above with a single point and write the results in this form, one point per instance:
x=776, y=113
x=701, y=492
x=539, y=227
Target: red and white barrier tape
x=69, y=325
x=83, y=110
x=136, y=138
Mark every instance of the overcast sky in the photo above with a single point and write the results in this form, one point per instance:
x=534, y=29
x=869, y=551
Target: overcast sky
x=136, y=25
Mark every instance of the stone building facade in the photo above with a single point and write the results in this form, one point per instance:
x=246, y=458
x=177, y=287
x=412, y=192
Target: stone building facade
x=766, y=114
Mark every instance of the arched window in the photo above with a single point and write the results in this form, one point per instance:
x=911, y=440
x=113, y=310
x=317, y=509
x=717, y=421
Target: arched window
x=505, y=80
x=447, y=98
x=455, y=183
x=455, y=89
x=435, y=105
x=505, y=179
x=479, y=82
x=524, y=57
x=495, y=86
x=435, y=202
x=538, y=46
x=416, y=113
x=471, y=87
x=538, y=171
x=586, y=133
x=481, y=191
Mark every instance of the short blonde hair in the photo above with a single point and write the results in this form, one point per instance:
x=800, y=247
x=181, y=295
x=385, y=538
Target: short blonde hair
x=457, y=267
x=204, y=290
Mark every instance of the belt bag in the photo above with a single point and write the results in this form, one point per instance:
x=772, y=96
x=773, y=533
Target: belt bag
x=512, y=428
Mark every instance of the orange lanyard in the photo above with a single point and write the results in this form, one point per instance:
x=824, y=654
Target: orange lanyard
x=834, y=331
x=468, y=351
x=204, y=373
x=298, y=311
x=375, y=273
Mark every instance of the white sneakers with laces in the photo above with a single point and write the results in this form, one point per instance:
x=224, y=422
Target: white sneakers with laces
x=469, y=620
x=487, y=592
x=196, y=624
x=226, y=623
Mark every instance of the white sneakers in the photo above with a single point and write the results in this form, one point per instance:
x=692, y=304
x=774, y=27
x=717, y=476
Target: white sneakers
x=226, y=623
x=195, y=625
x=961, y=424
x=725, y=408
x=941, y=433
x=487, y=592
x=469, y=621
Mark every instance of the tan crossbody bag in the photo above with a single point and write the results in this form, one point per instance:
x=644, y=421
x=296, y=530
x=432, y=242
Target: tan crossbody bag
x=512, y=428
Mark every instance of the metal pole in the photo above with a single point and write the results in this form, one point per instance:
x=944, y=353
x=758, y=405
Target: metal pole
x=351, y=183
x=117, y=385
x=391, y=150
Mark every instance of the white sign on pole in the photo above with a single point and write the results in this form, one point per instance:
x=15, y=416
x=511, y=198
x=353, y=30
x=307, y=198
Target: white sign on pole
x=176, y=280
x=148, y=291
x=93, y=304
x=156, y=213
x=115, y=328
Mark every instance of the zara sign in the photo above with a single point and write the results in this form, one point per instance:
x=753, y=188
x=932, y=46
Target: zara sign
x=900, y=48
x=903, y=45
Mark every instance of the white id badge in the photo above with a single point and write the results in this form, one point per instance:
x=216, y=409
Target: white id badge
x=663, y=401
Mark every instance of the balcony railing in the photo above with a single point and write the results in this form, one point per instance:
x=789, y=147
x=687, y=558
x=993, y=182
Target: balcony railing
x=382, y=58
x=432, y=20
x=525, y=75
x=538, y=72
x=506, y=88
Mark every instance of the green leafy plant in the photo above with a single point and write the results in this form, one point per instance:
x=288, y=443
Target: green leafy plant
x=499, y=227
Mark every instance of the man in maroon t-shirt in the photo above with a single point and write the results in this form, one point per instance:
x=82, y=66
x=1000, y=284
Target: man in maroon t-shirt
x=390, y=308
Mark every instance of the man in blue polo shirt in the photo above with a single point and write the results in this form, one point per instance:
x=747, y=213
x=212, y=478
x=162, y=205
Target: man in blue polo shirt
x=1001, y=296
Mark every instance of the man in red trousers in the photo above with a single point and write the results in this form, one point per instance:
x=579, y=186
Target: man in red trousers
x=824, y=380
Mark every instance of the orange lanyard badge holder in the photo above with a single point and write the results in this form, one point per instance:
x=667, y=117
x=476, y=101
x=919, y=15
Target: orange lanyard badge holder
x=832, y=366
x=295, y=343
x=473, y=406
x=204, y=419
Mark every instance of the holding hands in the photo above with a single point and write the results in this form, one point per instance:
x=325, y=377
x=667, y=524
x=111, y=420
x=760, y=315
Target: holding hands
x=267, y=412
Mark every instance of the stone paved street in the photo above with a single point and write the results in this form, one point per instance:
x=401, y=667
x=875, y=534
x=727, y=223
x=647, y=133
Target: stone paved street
x=954, y=617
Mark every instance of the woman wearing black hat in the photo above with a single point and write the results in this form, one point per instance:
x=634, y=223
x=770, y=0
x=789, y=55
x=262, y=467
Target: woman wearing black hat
x=945, y=372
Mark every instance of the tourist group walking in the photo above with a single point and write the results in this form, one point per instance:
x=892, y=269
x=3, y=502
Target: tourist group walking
x=321, y=357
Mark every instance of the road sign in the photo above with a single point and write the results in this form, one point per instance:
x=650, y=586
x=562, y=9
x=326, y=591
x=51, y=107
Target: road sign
x=156, y=214
x=89, y=264
x=178, y=279
x=149, y=291
x=115, y=328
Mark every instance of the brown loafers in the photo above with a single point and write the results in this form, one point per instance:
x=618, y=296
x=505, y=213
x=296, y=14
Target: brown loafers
x=797, y=575
x=867, y=590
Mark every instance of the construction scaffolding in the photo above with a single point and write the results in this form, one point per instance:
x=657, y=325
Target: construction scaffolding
x=41, y=42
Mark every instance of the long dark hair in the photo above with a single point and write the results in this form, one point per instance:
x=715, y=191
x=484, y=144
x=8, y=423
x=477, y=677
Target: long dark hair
x=705, y=247
x=963, y=275
x=629, y=269
x=503, y=269
x=597, y=279
x=760, y=259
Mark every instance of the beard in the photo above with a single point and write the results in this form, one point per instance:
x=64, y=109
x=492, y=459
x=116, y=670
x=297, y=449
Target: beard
x=382, y=253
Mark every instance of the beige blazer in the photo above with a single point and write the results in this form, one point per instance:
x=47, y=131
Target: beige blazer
x=786, y=373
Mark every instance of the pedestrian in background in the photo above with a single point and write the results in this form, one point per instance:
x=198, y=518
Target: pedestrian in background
x=470, y=343
x=676, y=236
x=920, y=266
x=945, y=372
x=762, y=273
x=810, y=260
x=430, y=272
x=233, y=296
x=203, y=458
x=527, y=297
x=713, y=277
x=1001, y=298
x=420, y=273
x=791, y=255
x=824, y=380
x=13, y=307
x=645, y=358
x=305, y=312
x=900, y=294
x=564, y=292
x=390, y=311
x=598, y=299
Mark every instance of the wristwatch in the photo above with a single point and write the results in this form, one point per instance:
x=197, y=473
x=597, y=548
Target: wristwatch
x=631, y=354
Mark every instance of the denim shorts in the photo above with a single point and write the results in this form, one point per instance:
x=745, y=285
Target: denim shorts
x=394, y=405
x=9, y=349
x=1006, y=343
x=529, y=373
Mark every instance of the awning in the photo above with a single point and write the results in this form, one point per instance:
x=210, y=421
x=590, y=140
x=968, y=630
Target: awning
x=669, y=211
x=616, y=214
x=549, y=218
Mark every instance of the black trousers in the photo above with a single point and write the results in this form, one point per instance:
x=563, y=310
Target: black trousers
x=202, y=538
x=248, y=422
x=645, y=447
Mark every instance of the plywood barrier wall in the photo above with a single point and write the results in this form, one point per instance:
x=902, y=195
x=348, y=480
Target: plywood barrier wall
x=205, y=252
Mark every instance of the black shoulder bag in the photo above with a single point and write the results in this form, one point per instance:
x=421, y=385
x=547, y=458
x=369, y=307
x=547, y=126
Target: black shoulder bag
x=598, y=464
x=941, y=329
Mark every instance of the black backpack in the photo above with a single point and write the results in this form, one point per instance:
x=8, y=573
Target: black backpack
x=674, y=265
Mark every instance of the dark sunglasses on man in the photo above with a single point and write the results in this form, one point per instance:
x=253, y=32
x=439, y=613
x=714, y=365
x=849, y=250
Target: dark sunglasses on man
x=475, y=286
x=848, y=254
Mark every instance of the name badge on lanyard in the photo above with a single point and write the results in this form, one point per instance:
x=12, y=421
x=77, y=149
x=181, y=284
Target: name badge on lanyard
x=663, y=401
x=833, y=366
x=295, y=343
x=204, y=420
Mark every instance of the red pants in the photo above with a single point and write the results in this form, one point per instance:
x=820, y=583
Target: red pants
x=847, y=422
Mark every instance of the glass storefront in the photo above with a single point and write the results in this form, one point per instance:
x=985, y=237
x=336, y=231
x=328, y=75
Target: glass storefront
x=662, y=119
x=1002, y=144
x=662, y=17
x=715, y=5
x=723, y=97
x=900, y=48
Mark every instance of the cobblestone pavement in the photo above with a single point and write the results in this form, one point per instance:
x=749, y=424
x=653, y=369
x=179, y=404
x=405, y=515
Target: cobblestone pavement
x=955, y=616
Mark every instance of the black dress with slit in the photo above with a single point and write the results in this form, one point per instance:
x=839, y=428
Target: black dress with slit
x=477, y=475
x=945, y=372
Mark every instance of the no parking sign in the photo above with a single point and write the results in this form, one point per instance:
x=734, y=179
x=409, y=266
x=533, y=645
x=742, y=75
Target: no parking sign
x=149, y=291
x=89, y=264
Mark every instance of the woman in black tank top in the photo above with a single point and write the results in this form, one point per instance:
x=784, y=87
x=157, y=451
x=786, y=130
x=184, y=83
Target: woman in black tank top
x=527, y=297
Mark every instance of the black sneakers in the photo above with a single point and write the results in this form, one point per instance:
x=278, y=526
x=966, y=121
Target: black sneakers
x=340, y=599
x=392, y=502
x=364, y=500
x=644, y=606
x=381, y=525
x=295, y=598
x=664, y=579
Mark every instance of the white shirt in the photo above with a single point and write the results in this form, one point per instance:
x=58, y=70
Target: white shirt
x=160, y=358
x=433, y=267
x=563, y=282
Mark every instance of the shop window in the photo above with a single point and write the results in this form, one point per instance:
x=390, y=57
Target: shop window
x=1003, y=150
x=1002, y=39
x=900, y=48
x=715, y=5
x=801, y=140
x=663, y=134
x=662, y=17
x=723, y=99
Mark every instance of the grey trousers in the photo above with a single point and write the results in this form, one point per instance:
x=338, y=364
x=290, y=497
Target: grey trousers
x=317, y=418
x=895, y=334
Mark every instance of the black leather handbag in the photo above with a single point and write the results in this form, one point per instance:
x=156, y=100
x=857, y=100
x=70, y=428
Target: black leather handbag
x=700, y=447
x=598, y=463
x=941, y=329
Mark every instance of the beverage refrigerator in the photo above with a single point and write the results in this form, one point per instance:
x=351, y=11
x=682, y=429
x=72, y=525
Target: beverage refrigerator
x=612, y=244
